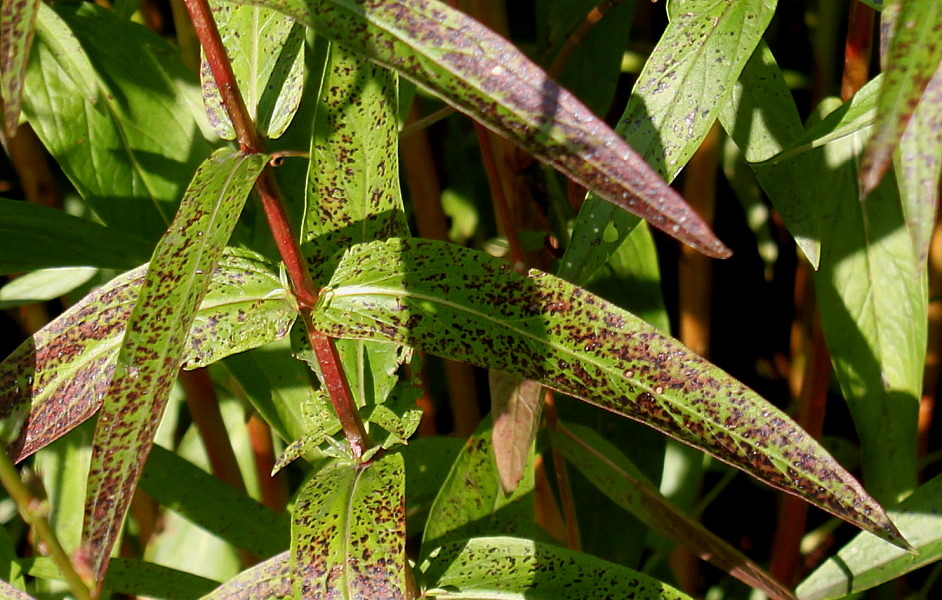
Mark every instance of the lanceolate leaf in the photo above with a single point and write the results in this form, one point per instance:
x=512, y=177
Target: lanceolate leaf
x=17, y=19
x=60, y=375
x=467, y=306
x=516, y=406
x=517, y=569
x=152, y=350
x=485, y=76
x=623, y=482
x=913, y=57
x=268, y=580
x=267, y=53
x=349, y=532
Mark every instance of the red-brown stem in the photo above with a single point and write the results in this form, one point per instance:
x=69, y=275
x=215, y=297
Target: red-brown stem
x=272, y=489
x=566, y=499
x=498, y=197
x=578, y=34
x=857, y=49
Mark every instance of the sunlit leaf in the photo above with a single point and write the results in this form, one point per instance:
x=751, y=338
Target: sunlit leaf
x=454, y=302
x=485, y=76
x=348, y=534
x=516, y=406
x=152, y=351
x=44, y=285
x=17, y=20
x=268, y=580
x=267, y=54
x=516, y=569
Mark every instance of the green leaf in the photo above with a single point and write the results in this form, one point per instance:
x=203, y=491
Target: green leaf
x=873, y=303
x=912, y=59
x=517, y=569
x=267, y=54
x=763, y=120
x=152, y=351
x=620, y=480
x=428, y=462
x=468, y=306
x=213, y=505
x=17, y=22
x=348, y=534
x=60, y=375
x=44, y=285
x=133, y=131
x=483, y=75
x=139, y=578
x=268, y=580
x=471, y=502
x=37, y=237
x=866, y=562
x=516, y=406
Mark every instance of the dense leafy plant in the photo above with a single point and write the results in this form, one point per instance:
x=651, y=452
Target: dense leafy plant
x=315, y=311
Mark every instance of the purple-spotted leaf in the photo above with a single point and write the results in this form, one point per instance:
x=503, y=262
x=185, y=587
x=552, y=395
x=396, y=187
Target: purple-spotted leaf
x=516, y=406
x=59, y=376
x=348, y=535
x=268, y=580
x=8, y=592
x=467, y=306
x=17, y=24
x=614, y=474
x=510, y=568
x=912, y=59
x=153, y=347
x=267, y=53
x=485, y=76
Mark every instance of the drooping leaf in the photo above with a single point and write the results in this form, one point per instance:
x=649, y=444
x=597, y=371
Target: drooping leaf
x=623, y=482
x=37, y=237
x=268, y=580
x=213, y=505
x=483, y=75
x=267, y=54
x=17, y=22
x=467, y=306
x=471, y=502
x=60, y=375
x=348, y=537
x=912, y=60
x=866, y=562
x=133, y=114
x=516, y=406
x=152, y=350
x=517, y=569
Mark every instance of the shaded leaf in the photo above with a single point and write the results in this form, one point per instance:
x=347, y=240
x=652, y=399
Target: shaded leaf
x=428, y=462
x=516, y=406
x=139, y=578
x=866, y=562
x=268, y=580
x=912, y=59
x=468, y=306
x=514, y=568
x=267, y=55
x=85, y=59
x=36, y=237
x=348, y=532
x=625, y=484
x=485, y=76
x=17, y=22
x=60, y=375
x=152, y=351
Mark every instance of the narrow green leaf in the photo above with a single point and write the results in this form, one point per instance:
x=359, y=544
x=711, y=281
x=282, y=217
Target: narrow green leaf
x=214, y=505
x=614, y=474
x=761, y=117
x=10, y=569
x=267, y=51
x=471, y=502
x=139, y=578
x=36, y=237
x=486, y=77
x=152, y=350
x=60, y=375
x=516, y=406
x=912, y=59
x=866, y=562
x=465, y=305
x=518, y=569
x=268, y=580
x=17, y=23
x=348, y=535
x=95, y=76
x=44, y=285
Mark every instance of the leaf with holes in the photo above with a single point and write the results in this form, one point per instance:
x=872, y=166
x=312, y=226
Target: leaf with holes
x=485, y=76
x=152, y=351
x=468, y=306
